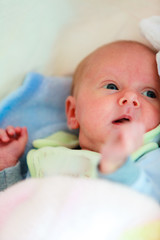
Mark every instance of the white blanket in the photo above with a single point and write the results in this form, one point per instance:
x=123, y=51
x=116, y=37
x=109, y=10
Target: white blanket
x=65, y=208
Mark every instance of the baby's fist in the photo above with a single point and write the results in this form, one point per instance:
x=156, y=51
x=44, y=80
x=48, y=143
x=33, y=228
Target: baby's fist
x=12, y=145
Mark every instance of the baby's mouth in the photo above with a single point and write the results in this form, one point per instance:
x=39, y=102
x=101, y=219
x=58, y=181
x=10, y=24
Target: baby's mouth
x=122, y=120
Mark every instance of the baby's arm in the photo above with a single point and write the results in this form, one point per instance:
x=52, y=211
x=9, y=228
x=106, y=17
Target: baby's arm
x=12, y=145
x=115, y=165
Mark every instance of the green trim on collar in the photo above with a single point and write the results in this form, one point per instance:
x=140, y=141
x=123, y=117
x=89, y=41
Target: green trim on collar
x=57, y=139
x=151, y=135
x=150, y=143
x=142, y=150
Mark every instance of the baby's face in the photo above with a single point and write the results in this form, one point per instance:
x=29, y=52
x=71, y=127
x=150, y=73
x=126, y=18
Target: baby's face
x=119, y=86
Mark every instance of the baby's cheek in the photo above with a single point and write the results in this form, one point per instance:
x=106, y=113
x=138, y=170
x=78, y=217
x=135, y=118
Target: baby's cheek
x=152, y=119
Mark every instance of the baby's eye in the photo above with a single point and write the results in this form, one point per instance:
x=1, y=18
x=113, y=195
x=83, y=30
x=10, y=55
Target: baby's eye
x=149, y=94
x=111, y=86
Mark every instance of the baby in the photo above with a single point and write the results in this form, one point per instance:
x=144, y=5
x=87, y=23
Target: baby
x=114, y=87
x=115, y=100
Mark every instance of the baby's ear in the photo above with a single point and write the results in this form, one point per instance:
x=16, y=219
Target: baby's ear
x=71, y=113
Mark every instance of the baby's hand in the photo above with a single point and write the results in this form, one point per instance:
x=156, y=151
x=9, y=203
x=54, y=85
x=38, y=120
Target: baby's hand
x=12, y=145
x=122, y=142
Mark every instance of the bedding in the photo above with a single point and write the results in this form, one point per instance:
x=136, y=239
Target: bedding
x=150, y=27
x=151, y=30
x=66, y=208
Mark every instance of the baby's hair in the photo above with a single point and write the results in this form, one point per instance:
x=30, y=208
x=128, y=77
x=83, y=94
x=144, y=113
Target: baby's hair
x=85, y=62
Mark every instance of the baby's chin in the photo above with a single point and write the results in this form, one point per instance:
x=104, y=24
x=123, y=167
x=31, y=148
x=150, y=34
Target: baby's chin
x=91, y=143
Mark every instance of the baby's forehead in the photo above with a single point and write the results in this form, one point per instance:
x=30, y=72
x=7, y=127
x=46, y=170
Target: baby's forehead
x=116, y=53
x=115, y=50
x=120, y=47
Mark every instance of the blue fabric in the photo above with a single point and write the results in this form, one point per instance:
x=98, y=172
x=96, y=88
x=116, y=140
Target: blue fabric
x=10, y=176
x=127, y=174
x=39, y=104
x=142, y=175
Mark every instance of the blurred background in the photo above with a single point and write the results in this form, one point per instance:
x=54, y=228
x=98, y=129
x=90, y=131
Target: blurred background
x=52, y=36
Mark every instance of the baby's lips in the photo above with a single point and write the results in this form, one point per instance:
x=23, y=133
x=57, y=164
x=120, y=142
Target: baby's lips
x=122, y=119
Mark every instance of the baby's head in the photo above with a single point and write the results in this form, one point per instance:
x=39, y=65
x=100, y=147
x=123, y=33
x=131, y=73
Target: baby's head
x=116, y=84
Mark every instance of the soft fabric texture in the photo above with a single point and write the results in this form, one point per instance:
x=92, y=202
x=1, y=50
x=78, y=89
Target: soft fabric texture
x=51, y=161
x=60, y=138
x=149, y=231
x=66, y=208
x=150, y=27
x=10, y=176
x=151, y=30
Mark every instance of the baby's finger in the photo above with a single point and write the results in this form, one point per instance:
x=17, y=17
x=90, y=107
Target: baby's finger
x=11, y=131
x=18, y=130
x=3, y=136
x=24, y=135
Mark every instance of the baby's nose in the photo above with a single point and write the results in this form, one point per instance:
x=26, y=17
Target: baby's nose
x=129, y=98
